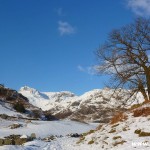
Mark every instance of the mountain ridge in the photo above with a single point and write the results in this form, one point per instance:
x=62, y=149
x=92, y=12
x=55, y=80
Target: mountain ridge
x=95, y=105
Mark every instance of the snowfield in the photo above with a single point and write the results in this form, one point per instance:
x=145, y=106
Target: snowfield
x=44, y=128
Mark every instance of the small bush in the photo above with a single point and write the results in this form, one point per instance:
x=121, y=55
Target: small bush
x=118, y=117
x=19, y=107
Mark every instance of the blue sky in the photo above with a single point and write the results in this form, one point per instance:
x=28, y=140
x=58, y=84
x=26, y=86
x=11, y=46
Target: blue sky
x=50, y=44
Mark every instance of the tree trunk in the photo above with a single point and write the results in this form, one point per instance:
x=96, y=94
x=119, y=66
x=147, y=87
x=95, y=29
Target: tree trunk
x=148, y=83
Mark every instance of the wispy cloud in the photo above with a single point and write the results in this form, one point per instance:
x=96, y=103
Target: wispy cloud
x=65, y=28
x=60, y=12
x=91, y=70
x=140, y=7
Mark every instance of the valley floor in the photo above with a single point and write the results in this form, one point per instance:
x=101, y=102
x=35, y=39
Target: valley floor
x=44, y=129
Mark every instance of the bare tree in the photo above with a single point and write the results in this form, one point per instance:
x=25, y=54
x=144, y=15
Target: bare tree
x=125, y=57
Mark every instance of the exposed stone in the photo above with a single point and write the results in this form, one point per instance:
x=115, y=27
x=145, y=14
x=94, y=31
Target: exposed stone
x=9, y=142
x=1, y=142
x=14, y=126
x=33, y=136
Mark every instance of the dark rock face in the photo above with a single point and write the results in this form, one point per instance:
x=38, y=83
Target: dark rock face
x=75, y=135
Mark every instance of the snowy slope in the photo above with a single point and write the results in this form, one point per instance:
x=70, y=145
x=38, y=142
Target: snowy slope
x=118, y=136
x=5, y=108
x=122, y=135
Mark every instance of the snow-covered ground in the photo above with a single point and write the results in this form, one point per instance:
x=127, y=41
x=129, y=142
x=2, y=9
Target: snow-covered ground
x=5, y=108
x=64, y=143
x=44, y=128
x=123, y=138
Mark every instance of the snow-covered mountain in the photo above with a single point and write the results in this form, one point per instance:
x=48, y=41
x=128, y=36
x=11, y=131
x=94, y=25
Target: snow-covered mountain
x=15, y=105
x=95, y=105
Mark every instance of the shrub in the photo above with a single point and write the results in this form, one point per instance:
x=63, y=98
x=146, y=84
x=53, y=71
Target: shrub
x=19, y=107
x=118, y=117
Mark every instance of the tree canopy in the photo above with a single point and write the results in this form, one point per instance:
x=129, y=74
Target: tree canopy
x=125, y=56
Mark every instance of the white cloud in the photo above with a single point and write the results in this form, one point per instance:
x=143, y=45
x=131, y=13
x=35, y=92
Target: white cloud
x=80, y=68
x=65, y=28
x=140, y=7
x=89, y=70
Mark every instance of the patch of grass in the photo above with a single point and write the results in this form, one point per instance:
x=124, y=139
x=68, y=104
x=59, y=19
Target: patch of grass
x=145, y=111
x=135, y=106
x=87, y=133
x=112, y=131
x=105, y=142
x=124, y=129
x=99, y=127
x=91, y=142
x=118, y=117
x=138, y=131
x=141, y=133
x=117, y=137
x=115, y=125
x=80, y=140
x=117, y=143
x=144, y=134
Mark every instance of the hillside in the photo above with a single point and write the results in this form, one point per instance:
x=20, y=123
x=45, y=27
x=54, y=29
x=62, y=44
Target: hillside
x=128, y=130
x=15, y=105
x=96, y=105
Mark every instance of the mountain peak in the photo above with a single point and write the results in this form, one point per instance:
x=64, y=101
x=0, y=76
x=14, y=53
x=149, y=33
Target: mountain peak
x=28, y=89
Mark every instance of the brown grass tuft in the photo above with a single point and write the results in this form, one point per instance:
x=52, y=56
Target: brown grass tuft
x=118, y=117
x=145, y=111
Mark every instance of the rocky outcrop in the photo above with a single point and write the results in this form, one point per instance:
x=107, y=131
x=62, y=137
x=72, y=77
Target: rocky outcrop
x=13, y=101
x=13, y=140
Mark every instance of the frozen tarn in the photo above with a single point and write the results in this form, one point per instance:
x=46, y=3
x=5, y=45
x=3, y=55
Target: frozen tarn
x=45, y=128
